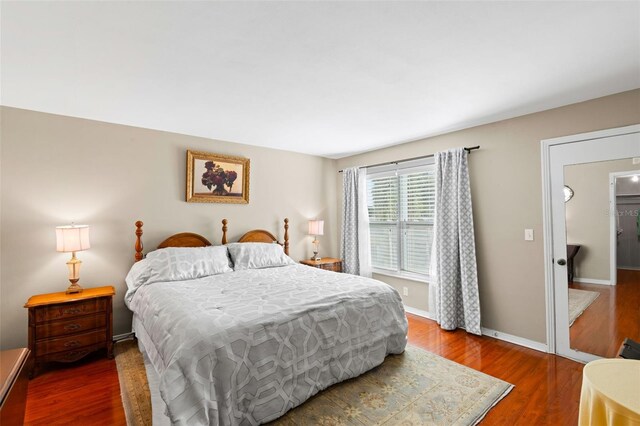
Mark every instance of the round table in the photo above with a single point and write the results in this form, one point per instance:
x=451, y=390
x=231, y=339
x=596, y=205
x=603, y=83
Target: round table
x=610, y=393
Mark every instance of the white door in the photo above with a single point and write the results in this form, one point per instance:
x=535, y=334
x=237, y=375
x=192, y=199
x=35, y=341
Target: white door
x=586, y=148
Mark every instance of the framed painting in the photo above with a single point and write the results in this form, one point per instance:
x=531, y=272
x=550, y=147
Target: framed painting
x=215, y=178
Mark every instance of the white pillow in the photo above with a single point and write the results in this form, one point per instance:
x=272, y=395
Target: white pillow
x=137, y=276
x=258, y=256
x=186, y=263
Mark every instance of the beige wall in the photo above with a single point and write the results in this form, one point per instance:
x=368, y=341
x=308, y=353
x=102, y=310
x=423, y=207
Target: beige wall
x=417, y=292
x=587, y=216
x=57, y=169
x=507, y=195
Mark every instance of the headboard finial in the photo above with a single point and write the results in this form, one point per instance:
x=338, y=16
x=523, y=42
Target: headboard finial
x=224, y=231
x=286, y=236
x=139, y=255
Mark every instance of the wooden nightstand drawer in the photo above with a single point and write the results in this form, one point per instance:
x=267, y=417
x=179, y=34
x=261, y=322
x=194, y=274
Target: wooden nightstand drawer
x=72, y=355
x=72, y=326
x=326, y=263
x=335, y=267
x=70, y=310
x=74, y=342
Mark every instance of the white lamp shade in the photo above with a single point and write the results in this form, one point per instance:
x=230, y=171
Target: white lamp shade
x=72, y=238
x=316, y=227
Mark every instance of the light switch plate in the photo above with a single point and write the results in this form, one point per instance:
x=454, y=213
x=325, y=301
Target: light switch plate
x=528, y=234
x=405, y=291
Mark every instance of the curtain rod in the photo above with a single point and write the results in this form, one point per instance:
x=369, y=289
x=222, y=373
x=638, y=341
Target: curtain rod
x=468, y=149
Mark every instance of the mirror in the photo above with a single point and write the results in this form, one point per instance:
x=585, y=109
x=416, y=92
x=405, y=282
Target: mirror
x=603, y=255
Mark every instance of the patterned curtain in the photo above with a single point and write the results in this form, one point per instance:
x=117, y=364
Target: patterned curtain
x=354, y=242
x=454, y=300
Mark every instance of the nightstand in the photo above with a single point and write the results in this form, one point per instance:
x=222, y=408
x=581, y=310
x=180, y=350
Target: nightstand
x=66, y=327
x=327, y=263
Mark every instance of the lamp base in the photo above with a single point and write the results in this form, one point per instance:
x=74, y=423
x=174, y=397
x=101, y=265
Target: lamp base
x=316, y=245
x=74, y=288
x=74, y=274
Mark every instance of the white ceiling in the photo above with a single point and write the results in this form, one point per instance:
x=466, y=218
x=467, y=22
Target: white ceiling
x=324, y=78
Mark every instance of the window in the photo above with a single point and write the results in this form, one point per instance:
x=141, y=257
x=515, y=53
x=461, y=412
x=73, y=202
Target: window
x=401, y=203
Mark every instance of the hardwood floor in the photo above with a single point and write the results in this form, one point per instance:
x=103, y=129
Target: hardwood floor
x=547, y=387
x=613, y=316
x=85, y=393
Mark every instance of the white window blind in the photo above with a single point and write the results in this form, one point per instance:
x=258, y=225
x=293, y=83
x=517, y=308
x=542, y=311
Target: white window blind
x=401, y=205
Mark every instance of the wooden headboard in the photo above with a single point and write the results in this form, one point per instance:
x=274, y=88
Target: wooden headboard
x=189, y=239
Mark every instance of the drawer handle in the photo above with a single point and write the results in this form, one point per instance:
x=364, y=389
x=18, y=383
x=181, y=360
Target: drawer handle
x=72, y=311
x=73, y=354
x=72, y=344
x=72, y=327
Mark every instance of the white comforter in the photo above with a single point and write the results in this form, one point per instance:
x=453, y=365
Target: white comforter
x=244, y=347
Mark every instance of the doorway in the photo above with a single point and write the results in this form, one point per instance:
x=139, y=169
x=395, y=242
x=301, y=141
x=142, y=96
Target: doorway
x=586, y=312
x=625, y=224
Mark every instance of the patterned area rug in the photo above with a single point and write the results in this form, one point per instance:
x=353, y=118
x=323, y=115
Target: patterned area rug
x=415, y=388
x=579, y=301
x=134, y=387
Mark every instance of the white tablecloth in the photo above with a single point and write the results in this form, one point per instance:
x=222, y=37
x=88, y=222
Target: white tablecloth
x=610, y=393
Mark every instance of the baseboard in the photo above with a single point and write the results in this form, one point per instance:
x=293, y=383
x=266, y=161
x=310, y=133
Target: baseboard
x=123, y=336
x=630, y=268
x=520, y=341
x=591, y=281
x=418, y=312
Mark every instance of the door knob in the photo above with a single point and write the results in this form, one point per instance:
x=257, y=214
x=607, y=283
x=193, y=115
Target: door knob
x=562, y=262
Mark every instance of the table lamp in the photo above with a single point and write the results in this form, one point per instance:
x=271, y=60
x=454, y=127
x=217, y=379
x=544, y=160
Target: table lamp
x=316, y=227
x=72, y=239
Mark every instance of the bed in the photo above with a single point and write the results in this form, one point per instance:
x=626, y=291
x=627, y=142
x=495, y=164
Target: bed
x=243, y=346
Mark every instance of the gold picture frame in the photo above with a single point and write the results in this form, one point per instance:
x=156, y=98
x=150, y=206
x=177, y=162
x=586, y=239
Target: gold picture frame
x=216, y=178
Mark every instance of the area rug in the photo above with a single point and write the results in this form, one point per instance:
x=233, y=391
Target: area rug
x=579, y=301
x=415, y=388
x=134, y=388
